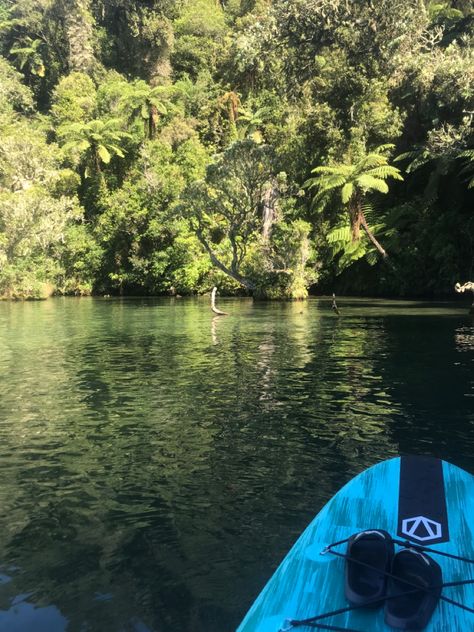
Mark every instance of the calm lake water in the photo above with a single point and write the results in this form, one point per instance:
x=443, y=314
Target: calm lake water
x=156, y=463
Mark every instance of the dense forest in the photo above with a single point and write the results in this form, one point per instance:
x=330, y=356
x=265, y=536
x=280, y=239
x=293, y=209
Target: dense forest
x=265, y=146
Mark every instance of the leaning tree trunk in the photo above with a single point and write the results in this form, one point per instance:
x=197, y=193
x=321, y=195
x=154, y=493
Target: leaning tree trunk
x=372, y=238
x=232, y=273
x=358, y=220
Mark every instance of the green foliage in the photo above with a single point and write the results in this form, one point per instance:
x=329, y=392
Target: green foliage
x=32, y=225
x=81, y=259
x=74, y=100
x=354, y=181
x=368, y=174
x=13, y=94
x=184, y=132
x=468, y=166
x=233, y=212
x=29, y=56
x=34, y=38
x=440, y=155
x=284, y=267
x=137, y=37
x=144, y=244
x=149, y=104
x=200, y=30
x=346, y=250
x=93, y=144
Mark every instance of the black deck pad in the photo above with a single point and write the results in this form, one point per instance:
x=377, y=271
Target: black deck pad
x=422, y=515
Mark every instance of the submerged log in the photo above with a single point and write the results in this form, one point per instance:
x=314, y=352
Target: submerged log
x=213, y=304
x=467, y=287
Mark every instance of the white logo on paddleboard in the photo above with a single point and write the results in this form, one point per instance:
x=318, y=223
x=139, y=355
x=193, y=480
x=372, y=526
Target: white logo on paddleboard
x=421, y=528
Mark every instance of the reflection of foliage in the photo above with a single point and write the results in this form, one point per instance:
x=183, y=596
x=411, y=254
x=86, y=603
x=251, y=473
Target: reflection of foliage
x=153, y=486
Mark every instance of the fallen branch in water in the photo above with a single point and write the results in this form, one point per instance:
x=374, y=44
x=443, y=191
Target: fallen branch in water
x=213, y=304
x=467, y=287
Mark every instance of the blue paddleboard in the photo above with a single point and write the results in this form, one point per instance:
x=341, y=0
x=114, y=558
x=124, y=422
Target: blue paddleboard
x=420, y=499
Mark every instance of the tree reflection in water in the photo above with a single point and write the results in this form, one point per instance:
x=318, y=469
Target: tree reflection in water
x=156, y=465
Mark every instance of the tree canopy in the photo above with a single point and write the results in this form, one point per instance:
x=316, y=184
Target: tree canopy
x=267, y=146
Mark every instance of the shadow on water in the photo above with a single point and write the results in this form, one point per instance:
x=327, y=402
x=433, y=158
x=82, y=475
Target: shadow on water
x=157, y=462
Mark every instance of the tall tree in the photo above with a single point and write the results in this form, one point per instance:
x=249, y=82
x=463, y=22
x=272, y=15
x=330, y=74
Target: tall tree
x=354, y=181
x=228, y=212
x=96, y=142
x=148, y=103
x=227, y=206
x=80, y=32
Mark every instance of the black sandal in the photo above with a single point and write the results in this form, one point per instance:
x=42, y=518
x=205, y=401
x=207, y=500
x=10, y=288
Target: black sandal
x=412, y=610
x=370, y=555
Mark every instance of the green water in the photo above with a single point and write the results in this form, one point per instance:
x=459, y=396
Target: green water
x=156, y=463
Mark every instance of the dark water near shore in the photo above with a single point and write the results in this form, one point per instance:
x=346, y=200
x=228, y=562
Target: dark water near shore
x=156, y=463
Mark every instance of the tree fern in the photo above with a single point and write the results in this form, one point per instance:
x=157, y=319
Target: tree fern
x=347, y=192
x=371, y=161
x=384, y=172
x=339, y=234
x=369, y=183
x=354, y=181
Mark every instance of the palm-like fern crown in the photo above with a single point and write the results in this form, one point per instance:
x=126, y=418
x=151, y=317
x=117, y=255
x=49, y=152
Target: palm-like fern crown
x=368, y=174
x=140, y=96
x=105, y=136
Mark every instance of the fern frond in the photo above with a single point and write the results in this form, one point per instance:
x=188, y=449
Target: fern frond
x=408, y=155
x=369, y=183
x=372, y=257
x=467, y=168
x=369, y=212
x=337, y=169
x=351, y=257
x=422, y=159
x=371, y=160
x=384, y=172
x=339, y=234
x=326, y=184
x=383, y=148
x=347, y=192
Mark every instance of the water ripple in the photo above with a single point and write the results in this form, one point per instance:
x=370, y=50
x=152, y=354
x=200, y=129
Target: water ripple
x=156, y=463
